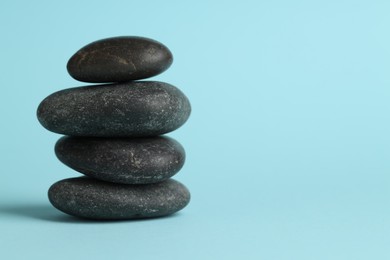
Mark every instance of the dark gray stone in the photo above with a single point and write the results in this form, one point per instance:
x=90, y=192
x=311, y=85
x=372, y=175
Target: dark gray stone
x=133, y=109
x=90, y=198
x=119, y=59
x=122, y=160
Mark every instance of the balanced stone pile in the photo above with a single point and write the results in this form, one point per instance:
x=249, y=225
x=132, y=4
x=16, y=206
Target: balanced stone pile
x=113, y=132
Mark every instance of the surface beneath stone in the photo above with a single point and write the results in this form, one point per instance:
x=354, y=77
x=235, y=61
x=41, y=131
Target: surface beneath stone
x=119, y=59
x=90, y=198
x=133, y=109
x=122, y=160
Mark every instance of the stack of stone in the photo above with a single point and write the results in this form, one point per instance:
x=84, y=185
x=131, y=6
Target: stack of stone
x=113, y=132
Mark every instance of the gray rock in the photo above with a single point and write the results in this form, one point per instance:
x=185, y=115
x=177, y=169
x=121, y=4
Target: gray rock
x=133, y=109
x=119, y=59
x=90, y=198
x=122, y=160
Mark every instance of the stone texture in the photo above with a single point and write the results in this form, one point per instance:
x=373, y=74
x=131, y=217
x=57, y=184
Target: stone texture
x=90, y=198
x=122, y=160
x=132, y=109
x=119, y=59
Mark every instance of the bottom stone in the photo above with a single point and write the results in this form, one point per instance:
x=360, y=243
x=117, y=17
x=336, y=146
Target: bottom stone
x=90, y=198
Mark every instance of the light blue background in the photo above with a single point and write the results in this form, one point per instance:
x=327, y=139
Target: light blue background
x=288, y=146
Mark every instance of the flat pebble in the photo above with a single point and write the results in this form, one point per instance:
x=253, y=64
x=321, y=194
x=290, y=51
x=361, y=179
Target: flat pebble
x=132, y=109
x=119, y=59
x=122, y=160
x=94, y=199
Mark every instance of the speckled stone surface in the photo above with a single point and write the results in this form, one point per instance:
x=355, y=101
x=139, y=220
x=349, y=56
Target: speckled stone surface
x=122, y=160
x=133, y=109
x=119, y=59
x=90, y=198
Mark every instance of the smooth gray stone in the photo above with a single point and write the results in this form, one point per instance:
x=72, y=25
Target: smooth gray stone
x=132, y=109
x=90, y=198
x=122, y=160
x=119, y=59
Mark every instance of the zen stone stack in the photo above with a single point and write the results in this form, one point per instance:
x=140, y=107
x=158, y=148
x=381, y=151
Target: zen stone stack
x=113, y=132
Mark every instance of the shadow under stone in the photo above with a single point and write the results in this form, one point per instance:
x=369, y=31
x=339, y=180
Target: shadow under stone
x=46, y=212
x=35, y=211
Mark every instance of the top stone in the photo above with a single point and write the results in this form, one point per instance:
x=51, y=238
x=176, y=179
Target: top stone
x=119, y=59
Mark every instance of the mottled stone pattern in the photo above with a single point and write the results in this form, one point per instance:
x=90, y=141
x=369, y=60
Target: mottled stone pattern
x=113, y=133
x=119, y=59
x=90, y=198
x=122, y=160
x=132, y=109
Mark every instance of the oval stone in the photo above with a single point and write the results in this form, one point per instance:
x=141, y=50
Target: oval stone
x=90, y=198
x=132, y=109
x=119, y=59
x=122, y=160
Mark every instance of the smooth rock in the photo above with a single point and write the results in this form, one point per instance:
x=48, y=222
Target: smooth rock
x=132, y=109
x=122, y=160
x=119, y=59
x=90, y=198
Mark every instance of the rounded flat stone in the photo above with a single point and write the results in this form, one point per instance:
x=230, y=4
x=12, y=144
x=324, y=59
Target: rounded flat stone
x=90, y=198
x=119, y=59
x=122, y=160
x=132, y=109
